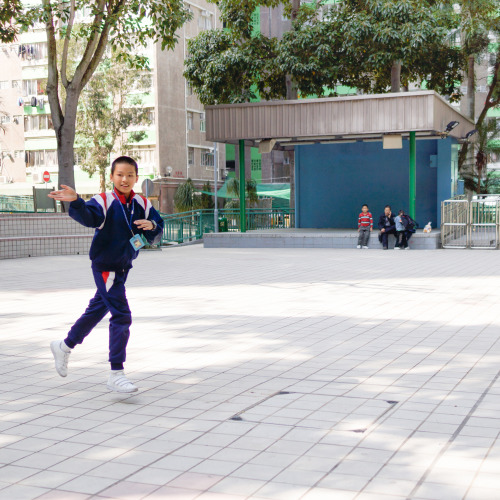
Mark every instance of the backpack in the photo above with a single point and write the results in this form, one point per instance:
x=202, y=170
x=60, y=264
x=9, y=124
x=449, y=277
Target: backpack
x=409, y=223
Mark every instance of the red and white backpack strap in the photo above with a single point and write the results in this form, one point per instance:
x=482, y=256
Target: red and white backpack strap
x=105, y=200
x=144, y=203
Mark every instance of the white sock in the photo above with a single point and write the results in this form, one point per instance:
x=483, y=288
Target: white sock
x=64, y=347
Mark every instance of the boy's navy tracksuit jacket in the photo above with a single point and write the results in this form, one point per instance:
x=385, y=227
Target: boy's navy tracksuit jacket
x=111, y=254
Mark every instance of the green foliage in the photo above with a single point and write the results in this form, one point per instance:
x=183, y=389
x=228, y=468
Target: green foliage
x=107, y=107
x=233, y=188
x=205, y=200
x=125, y=23
x=183, y=198
x=486, y=146
x=223, y=68
x=13, y=17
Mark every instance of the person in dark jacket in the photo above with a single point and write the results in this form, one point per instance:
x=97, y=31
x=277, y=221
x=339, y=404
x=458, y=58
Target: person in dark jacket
x=387, y=226
x=122, y=219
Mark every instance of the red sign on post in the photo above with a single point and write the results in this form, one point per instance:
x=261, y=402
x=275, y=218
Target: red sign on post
x=46, y=176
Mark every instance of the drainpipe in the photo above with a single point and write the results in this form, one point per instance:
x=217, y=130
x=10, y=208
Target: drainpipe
x=413, y=175
x=216, y=187
x=243, y=218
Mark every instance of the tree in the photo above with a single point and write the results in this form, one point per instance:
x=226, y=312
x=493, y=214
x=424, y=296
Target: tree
x=477, y=20
x=183, y=197
x=487, y=145
x=371, y=45
x=106, y=109
x=123, y=25
x=233, y=188
x=204, y=201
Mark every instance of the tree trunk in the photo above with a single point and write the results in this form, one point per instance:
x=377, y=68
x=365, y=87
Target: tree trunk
x=65, y=142
x=102, y=183
x=471, y=89
x=396, y=76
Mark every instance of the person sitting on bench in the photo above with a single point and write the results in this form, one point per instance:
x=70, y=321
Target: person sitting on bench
x=387, y=226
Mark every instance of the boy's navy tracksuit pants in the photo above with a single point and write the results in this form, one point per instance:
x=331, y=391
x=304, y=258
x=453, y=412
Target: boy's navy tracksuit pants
x=110, y=296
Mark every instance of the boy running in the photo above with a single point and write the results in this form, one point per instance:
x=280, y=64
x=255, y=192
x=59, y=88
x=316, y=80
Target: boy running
x=120, y=218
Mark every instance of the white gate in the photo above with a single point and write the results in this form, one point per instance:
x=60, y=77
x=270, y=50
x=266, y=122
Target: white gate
x=455, y=223
x=471, y=224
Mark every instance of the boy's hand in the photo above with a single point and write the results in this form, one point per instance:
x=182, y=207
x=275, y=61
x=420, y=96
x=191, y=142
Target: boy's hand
x=144, y=224
x=65, y=194
x=371, y=229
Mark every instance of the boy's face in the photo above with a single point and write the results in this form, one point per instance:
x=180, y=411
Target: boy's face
x=387, y=211
x=124, y=178
x=364, y=209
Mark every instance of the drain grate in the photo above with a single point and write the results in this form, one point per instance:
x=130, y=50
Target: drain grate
x=316, y=411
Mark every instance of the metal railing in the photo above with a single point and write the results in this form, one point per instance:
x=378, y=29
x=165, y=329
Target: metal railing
x=11, y=203
x=190, y=226
x=473, y=223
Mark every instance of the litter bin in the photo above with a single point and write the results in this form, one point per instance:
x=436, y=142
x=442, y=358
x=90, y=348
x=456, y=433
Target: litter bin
x=222, y=225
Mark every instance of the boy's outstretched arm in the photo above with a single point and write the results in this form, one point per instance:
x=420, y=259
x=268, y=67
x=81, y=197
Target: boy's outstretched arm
x=88, y=214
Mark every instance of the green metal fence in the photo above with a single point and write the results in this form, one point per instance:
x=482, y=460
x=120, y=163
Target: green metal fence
x=9, y=203
x=190, y=226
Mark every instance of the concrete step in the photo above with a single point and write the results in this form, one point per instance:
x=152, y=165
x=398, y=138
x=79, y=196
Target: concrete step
x=311, y=238
x=41, y=225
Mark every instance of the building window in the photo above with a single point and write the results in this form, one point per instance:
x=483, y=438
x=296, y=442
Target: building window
x=34, y=87
x=143, y=156
x=4, y=84
x=18, y=153
x=17, y=84
x=190, y=125
x=189, y=89
x=205, y=20
x=38, y=122
x=207, y=158
x=41, y=158
x=4, y=119
x=256, y=165
x=202, y=122
x=33, y=51
x=151, y=115
x=190, y=156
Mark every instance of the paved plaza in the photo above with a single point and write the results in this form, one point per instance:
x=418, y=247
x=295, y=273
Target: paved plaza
x=263, y=374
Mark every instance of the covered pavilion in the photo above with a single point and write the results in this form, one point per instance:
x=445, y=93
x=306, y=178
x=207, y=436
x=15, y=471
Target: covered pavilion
x=399, y=148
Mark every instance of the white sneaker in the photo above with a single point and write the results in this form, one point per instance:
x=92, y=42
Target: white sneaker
x=397, y=248
x=61, y=355
x=365, y=247
x=118, y=382
x=407, y=248
x=359, y=246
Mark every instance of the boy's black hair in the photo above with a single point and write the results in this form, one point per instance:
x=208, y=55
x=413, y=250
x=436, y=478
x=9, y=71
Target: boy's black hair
x=124, y=159
x=365, y=205
x=387, y=206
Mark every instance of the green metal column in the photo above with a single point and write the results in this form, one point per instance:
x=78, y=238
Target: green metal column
x=413, y=175
x=243, y=216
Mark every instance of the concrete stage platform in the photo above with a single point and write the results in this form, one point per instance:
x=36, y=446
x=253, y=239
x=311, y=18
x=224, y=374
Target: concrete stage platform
x=312, y=238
